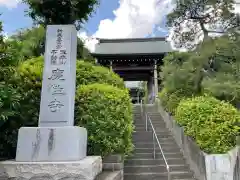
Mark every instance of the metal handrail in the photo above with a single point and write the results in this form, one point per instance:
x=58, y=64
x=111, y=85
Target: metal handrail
x=147, y=118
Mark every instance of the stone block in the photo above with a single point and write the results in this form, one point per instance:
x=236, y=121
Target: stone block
x=86, y=169
x=40, y=144
x=112, y=166
x=113, y=158
x=116, y=175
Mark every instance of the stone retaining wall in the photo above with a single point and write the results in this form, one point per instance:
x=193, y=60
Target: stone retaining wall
x=113, y=163
x=205, y=166
x=86, y=169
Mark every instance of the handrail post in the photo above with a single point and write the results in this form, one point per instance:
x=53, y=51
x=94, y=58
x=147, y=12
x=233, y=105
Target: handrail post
x=154, y=148
x=146, y=116
x=155, y=138
x=169, y=175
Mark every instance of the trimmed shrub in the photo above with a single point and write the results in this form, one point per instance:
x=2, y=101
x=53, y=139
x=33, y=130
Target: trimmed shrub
x=87, y=73
x=212, y=123
x=28, y=82
x=170, y=101
x=106, y=112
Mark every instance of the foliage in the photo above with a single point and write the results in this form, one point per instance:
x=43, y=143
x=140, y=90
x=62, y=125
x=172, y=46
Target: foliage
x=30, y=82
x=9, y=96
x=224, y=80
x=9, y=111
x=30, y=43
x=214, y=70
x=212, y=123
x=191, y=20
x=9, y=102
x=87, y=73
x=60, y=12
x=170, y=100
x=106, y=112
x=179, y=73
x=27, y=82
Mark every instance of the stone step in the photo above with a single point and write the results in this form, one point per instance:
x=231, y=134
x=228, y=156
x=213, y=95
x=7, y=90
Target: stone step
x=178, y=155
x=148, y=137
x=159, y=131
x=161, y=140
x=146, y=162
x=137, y=116
x=141, y=123
x=157, y=128
x=170, y=144
x=137, y=129
x=158, y=176
x=148, y=133
x=155, y=169
x=108, y=175
x=150, y=150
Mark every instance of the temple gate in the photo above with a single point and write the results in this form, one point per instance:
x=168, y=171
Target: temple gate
x=134, y=59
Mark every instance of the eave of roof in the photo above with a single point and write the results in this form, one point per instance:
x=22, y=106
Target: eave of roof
x=132, y=40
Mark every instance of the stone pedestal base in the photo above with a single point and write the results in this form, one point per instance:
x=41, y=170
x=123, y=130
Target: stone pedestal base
x=86, y=169
x=38, y=144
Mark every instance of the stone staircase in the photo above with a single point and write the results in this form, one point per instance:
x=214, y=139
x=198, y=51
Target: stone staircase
x=141, y=165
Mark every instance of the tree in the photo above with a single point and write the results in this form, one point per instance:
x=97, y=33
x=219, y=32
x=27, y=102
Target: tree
x=61, y=11
x=193, y=20
x=29, y=43
x=215, y=70
x=9, y=96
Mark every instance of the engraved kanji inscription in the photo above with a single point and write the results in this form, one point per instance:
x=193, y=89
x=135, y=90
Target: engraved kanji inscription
x=63, y=56
x=54, y=57
x=59, y=38
x=56, y=89
x=55, y=105
x=57, y=74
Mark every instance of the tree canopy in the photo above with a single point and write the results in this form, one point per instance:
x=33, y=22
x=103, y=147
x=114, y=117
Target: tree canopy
x=214, y=70
x=29, y=43
x=194, y=20
x=61, y=11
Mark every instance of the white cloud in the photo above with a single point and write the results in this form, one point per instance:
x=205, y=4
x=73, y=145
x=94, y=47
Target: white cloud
x=89, y=42
x=5, y=36
x=237, y=6
x=9, y=3
x=133, y=19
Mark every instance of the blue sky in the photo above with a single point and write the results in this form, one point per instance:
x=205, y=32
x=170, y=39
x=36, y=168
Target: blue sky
x=14, y=17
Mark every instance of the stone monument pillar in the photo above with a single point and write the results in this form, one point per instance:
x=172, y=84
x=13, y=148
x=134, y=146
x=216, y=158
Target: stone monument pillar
x=56, y=139
x=55, y=146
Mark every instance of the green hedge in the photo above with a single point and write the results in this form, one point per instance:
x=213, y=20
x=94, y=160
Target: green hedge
x=212, y=123
x=106, y=112
x=86, y=73
x=28, y=82
x=169, y=100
